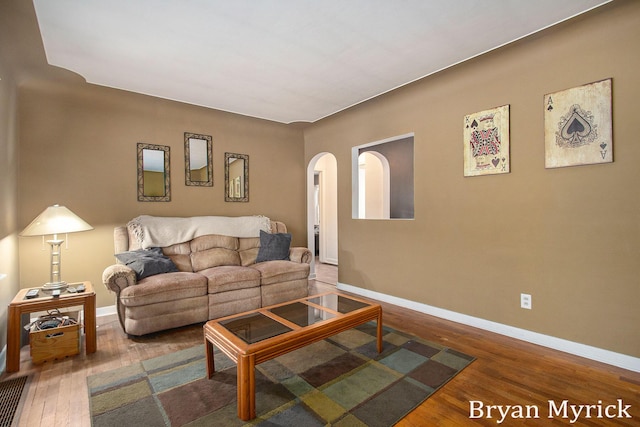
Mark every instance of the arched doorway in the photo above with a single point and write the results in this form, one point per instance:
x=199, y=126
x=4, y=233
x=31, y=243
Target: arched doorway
x=322, y=209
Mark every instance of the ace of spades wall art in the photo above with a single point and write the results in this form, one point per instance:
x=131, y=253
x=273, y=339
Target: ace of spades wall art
x=486, y=142
x=577, y=126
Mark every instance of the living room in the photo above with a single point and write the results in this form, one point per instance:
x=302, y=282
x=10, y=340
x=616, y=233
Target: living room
x=566, y=236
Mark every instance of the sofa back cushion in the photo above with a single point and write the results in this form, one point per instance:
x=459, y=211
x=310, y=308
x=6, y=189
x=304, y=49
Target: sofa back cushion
x=213, y=250
x=248, y=249
x=180, y=254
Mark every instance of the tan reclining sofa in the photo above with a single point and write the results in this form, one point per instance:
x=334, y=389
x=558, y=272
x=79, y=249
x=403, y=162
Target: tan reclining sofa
x=215, y=275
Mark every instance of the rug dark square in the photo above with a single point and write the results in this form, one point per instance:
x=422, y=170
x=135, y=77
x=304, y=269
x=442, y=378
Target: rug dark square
x=341, y=381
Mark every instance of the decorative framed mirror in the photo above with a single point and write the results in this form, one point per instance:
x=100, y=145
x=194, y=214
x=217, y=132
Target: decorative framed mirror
x=154, y=177
x=198, y=160
x=236, y=177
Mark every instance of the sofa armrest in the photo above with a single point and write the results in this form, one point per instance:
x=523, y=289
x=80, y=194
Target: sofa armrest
x=300, y=254
x=117, y=277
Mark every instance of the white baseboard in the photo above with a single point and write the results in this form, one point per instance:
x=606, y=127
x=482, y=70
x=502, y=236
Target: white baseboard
x=594, y=353
x=106, y=311
x=328, y=260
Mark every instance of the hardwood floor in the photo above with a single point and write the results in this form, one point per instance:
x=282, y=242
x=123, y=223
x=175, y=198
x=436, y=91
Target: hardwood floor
x=326, y=273
x=506, y=372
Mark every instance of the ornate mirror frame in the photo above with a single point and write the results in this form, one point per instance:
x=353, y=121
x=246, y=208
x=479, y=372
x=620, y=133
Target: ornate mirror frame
x=198, y=160
x=236, y=182
x=163, y=183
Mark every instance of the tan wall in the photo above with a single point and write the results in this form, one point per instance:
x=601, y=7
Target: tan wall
x=9, y=279
x=570, y=237
x=78, y=149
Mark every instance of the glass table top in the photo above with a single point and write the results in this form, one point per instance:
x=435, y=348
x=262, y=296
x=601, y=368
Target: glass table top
x=302, y=314
x=336, y=302
x=255, y=327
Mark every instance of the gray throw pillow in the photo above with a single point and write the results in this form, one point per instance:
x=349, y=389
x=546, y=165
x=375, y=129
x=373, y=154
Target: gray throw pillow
x=147, y=262
x=273, y=246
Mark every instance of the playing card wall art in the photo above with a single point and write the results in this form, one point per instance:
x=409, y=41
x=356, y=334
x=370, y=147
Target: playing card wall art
x=486, y=142
x=577, y=126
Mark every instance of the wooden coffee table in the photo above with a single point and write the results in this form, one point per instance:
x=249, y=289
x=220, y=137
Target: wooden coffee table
x=259, y=335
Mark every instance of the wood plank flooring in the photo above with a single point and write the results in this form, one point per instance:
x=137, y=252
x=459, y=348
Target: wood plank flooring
x=506, y=372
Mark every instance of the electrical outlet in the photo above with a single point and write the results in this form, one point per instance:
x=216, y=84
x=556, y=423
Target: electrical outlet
x=525, y=301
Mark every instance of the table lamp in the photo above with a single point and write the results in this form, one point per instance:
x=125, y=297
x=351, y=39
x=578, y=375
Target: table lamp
x=55, y=220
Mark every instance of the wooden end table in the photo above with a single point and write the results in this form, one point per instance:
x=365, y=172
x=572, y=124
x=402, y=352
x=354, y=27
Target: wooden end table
x=259, y=335
x=44, y=302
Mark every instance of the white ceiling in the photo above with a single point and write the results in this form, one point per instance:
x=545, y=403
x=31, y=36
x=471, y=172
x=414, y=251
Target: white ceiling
x=282, y=60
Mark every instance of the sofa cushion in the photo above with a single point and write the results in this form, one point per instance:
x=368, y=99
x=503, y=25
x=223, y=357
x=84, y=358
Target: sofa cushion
x=202, y=243
x=248, y=256
x=228, y=303
x=281, y=271
x=147, y=262
x=248, y=250
x=164, y=287
x=213, y=250
x=273, y=246
x=145, y=319
x=213, y=258
x=180, y=254
x=230, y=278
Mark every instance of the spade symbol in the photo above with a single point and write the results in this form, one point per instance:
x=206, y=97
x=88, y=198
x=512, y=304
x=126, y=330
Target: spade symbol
x=550, y=107
x=576, y=128
x=474, y=124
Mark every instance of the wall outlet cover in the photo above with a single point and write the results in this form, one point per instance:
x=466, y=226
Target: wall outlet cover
x=525, y=301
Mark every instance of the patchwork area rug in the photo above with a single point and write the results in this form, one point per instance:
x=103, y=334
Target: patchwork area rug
x=341, y=381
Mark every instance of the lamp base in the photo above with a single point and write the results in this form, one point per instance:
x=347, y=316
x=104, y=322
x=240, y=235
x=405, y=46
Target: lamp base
x=54, y=286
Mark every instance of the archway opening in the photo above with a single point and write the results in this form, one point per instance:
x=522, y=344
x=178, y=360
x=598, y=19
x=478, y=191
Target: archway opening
x=322, y=209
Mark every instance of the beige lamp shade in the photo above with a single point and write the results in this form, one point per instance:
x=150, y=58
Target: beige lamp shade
x=55, y=219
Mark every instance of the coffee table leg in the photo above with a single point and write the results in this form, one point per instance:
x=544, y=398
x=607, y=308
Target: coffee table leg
x=246, y=387
x=379, y=331
x=211, y=367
